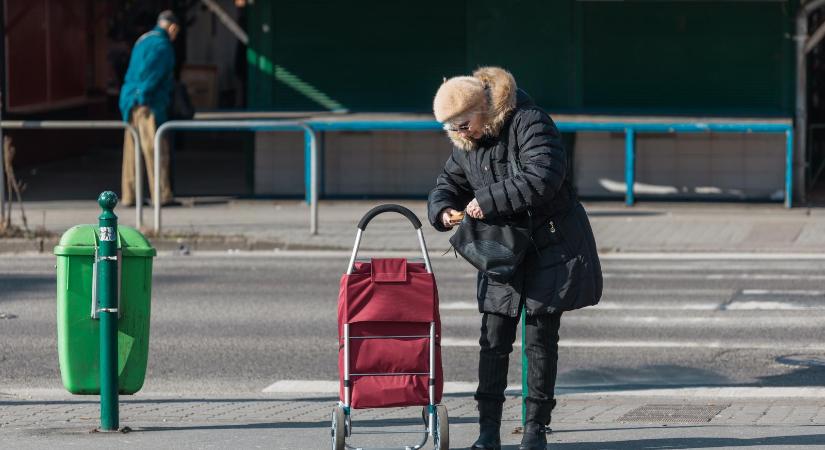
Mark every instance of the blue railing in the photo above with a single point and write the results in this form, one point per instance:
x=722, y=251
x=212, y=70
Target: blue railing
x=630, y=130
x=313, y=166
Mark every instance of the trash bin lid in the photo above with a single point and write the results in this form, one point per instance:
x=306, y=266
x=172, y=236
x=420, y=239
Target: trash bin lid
x=81, y=240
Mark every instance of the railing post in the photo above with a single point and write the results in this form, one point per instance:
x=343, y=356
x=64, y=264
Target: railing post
x=313, y=179
x=138, y=176
x=107, y=291
x=156, y=191
x=788, y=168
x=629, y=164
x=2, y=165
x=308, y=166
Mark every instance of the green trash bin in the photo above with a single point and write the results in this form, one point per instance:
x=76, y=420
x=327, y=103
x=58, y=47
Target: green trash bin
x=78, y=334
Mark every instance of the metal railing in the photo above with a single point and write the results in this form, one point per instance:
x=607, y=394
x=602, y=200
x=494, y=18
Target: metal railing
x=630, y=130
x=89, y=125
x=312, y=127
x=310, y=145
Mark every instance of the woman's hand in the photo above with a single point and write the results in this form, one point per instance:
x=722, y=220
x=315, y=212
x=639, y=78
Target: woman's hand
x=474, y=210
x=449, y=217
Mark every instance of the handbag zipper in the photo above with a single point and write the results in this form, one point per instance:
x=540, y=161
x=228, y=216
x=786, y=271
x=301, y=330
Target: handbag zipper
x=552, y=227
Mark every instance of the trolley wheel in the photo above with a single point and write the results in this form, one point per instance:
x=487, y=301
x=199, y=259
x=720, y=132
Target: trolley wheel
x=338, y=428
x=441, y=436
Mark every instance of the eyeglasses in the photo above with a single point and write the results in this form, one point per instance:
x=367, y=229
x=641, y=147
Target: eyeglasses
x=455, y=128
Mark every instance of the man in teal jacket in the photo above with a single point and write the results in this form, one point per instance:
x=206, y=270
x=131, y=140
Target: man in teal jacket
x=144, y=100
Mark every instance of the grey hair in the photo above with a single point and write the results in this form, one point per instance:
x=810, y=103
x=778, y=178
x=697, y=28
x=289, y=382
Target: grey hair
x=166, y=18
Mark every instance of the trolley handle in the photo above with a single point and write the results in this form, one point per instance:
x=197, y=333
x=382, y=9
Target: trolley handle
x=362, y=225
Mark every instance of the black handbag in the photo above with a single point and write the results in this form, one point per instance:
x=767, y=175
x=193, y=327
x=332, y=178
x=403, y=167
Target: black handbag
x=496, y=247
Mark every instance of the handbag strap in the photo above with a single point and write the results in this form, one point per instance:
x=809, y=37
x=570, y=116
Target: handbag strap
x=515, y=169
x=512, y=148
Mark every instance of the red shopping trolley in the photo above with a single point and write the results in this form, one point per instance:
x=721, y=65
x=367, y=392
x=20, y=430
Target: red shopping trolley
x=388, y=335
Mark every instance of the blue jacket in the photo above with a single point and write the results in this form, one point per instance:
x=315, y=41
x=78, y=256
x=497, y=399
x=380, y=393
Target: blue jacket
x=149, y=79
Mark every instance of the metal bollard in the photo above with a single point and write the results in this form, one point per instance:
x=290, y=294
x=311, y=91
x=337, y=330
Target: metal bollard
x=524, y=369
x=107, y=311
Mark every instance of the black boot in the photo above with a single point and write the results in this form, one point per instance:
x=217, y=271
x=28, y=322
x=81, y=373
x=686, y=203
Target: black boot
x=537, y=417
x=489, y=421
x=535, y=437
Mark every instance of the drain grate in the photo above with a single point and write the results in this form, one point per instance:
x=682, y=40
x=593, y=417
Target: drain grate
x=672, y=414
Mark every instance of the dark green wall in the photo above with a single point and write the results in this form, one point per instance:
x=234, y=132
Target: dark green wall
x=642, y=56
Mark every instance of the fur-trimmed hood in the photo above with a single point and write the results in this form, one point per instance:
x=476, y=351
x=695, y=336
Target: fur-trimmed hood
x=501, y=88
x=457, y=95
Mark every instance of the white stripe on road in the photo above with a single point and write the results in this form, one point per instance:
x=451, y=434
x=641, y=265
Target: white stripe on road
x=607, y=305
x=727, y=345
x=459, y=306
x=768, y=306
x=648, y=306
x=714, y=276
x=733, y=321
x=710, y=256
x=798, y=292
x=706, y=392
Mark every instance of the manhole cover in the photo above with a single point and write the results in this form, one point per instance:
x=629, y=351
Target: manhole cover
x=672, y=414
x=802, y=360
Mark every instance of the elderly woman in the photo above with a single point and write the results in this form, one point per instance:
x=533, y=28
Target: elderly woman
x=487, y=117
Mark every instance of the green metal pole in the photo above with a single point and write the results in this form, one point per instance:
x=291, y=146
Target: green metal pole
x=523, y=367
x=107, y=311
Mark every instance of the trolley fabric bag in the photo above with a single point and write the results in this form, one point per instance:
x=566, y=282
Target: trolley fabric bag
x=389, y=305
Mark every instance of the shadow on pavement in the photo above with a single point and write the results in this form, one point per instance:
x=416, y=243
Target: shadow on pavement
x=13, y=284
x=623, y=213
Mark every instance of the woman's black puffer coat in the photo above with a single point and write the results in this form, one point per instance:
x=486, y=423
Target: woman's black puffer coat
x=565, y=272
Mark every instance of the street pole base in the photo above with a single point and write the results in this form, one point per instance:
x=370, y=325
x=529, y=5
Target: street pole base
x=119, y=430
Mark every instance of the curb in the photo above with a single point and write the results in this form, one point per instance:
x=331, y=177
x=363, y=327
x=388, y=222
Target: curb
x=174, y=244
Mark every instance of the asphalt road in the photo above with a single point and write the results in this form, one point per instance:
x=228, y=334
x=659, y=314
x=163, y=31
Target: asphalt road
x=235, y=324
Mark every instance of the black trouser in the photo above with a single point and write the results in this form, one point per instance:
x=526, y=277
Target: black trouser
x=498, y=333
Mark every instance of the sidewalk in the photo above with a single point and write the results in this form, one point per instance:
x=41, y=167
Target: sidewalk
x=226, y=224
x=581, y=421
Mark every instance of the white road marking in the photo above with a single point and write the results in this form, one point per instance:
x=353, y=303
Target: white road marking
x=734, y=321
x=738, y=306
x=798, y=292
x=706, y=392
x=688, y=256
x=628, y=306
x=606, y=305
x=459, y=306
x=582, y=343
x=715, y=276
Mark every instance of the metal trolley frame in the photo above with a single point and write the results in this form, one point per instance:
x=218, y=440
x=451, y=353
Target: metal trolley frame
x=436, y=422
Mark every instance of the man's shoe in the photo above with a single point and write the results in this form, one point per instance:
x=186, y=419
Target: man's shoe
x=535, y=437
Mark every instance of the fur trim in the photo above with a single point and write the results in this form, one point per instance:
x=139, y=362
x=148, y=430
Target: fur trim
x=502, y=95
x=462, y=142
